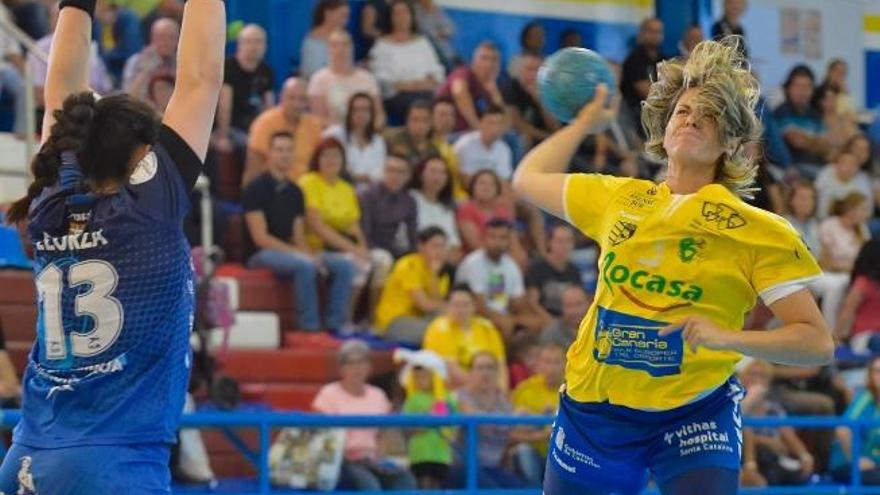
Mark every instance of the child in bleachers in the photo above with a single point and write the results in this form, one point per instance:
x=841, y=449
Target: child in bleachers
x=424, y=379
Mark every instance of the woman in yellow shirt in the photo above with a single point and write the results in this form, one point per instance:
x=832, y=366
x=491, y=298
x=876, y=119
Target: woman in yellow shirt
x=333, y=215
x=460, y=334
x=649, y=380
x=415, y=290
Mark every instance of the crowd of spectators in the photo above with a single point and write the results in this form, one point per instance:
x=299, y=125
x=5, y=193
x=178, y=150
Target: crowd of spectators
x=381, y=175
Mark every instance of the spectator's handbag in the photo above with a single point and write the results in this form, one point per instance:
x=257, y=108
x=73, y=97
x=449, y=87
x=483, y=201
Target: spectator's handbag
x=307, y=458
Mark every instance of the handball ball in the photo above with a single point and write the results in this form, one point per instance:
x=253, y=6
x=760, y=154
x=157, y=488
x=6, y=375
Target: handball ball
x=568, y=79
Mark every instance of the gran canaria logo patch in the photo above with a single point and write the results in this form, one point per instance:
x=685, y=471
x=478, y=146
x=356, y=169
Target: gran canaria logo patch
x=633, y=342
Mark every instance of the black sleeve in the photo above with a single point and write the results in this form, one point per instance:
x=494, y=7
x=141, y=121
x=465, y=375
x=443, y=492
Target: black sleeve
x=230, y=72
x=186, y=160
x=534, y=277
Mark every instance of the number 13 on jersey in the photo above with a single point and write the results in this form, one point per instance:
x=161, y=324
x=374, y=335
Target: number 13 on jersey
x=96, y=303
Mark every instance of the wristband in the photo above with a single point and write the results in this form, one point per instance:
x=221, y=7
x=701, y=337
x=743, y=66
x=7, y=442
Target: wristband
x=87, y=6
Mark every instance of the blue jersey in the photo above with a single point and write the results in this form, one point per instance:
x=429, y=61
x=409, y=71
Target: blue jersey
x=110, y=364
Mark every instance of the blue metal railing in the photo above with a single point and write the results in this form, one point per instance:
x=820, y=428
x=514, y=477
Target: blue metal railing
x=264, y=422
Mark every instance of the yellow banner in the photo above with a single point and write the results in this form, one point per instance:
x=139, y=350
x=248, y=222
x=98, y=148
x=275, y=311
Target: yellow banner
x=872, y=23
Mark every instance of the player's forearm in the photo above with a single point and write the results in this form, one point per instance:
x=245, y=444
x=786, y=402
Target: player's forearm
x=69, y=57
x=554, y=154
x=797, y=344
x=202, y=42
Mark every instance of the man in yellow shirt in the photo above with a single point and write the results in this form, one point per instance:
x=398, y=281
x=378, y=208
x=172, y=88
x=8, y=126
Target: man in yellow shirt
x=650, y=383
x=289, y=115
x=538, y=395
x=460, y=334
x=415, y=290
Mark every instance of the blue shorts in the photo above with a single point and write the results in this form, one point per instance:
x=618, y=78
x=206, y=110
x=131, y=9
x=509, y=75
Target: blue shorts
x=87, y=470
x=602, y=449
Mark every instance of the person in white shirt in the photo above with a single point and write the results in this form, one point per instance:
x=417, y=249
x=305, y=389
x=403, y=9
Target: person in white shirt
x=840, y=178
x=405, y=63
x=498, y=281
x=331, y=88
x=483, y=149
x=365, y=149
x=431, y=187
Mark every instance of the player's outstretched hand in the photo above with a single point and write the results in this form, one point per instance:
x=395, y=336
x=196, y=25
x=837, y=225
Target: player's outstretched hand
x=598, y=112
x=700, y=331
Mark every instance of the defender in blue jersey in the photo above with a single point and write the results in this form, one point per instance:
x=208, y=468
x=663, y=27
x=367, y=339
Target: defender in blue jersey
x=105, y=382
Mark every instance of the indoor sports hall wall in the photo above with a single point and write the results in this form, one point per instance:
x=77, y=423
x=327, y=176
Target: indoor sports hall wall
x=872, y=53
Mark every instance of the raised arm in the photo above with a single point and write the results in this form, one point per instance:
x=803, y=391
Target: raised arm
x=68, y=58
x=540, y=176
x=199, y=73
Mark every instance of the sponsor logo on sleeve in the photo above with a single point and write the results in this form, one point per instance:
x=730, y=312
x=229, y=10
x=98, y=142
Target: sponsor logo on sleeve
x=724, y=217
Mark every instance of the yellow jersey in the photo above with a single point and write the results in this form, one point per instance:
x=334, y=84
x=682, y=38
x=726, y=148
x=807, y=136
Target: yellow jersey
x=337, y=204
x=446, y=337
x=410, y=273
x=663, y=257
x=534, y=396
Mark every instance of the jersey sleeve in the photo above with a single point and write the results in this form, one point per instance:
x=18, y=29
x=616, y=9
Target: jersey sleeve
x=161, y=183
x=782, y=263
x=585, y=198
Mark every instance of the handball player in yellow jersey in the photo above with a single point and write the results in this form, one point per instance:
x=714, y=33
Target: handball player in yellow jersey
x=650, y=384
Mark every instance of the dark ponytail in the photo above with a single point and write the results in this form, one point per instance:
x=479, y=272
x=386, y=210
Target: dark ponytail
x=102, y=133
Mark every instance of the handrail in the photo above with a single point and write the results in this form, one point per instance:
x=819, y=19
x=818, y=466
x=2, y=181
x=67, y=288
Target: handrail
x=265, y=421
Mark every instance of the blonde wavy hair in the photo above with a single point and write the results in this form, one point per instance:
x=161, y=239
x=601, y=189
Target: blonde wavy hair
x=728, y=93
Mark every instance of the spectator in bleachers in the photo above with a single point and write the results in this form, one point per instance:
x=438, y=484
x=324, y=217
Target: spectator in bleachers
x=442, y=125
x=388, y=211
x=247, y=91
x=497, y=281
x=866, y=406
x=11, y=79
x=289, y=115
x=425, y=380
x=362, y=467
x=365, y=149
x=331, y=88
x=532, y=39
x=538, y=395
x=333, y=216
x=839, y=179
x=474, y=87
x=485, y=204
x=778, y=456
x=829, y=286
x=691, y=36
x=160, y=57
x=839, y=127
x=159, y=91
x=439, y=28
x=800, y=124
x=415, y=291
x=328, y=16
x=459, y=334
x=523, y=349
x=769, y=195
x=117, y=30
x=482, y=395
x=844, y=232
x=859, y=319
x=548, y=276
x=835, y=78
x=431, y=188
x=99, y=79
x=405, y=63
x=413, y=141
x=374, y=23
x=731, y=23
x=484, y=148
x=275, y=215
x=639, y=68
x=563, y=330
x=571, y=38
x=530, y=119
